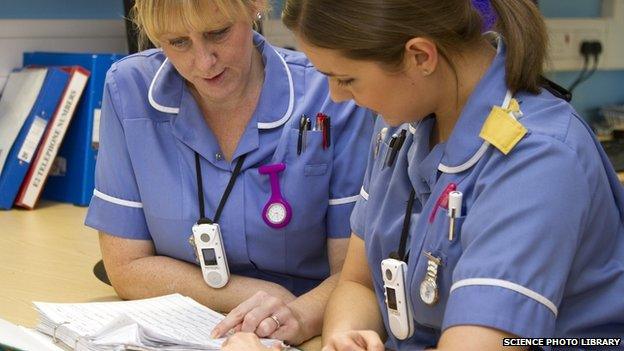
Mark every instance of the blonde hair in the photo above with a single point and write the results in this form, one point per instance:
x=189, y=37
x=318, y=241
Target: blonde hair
x=377, y=30
x=152, y=18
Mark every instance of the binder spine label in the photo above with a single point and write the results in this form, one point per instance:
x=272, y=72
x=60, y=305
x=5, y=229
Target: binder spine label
x=52, y=140
x=32, y=139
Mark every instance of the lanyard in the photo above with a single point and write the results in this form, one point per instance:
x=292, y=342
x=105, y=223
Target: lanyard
x=200, y=190
x=405, y=230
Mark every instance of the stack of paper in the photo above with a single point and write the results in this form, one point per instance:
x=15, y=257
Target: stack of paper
x=172, y=322
x=14, y=337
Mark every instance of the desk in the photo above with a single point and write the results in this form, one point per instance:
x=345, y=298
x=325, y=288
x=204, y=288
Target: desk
x=48, y=255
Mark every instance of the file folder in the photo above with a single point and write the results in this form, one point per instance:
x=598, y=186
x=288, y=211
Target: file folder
x=72, y=176
x=25, y=146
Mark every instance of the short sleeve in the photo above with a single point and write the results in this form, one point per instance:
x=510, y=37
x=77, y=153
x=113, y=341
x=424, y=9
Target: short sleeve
x=519, y=240
x=116, y=206
x=349, y=164
x=358, y=224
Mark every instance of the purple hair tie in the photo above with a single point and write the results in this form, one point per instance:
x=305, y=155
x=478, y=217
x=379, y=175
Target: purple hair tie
x=487, y=13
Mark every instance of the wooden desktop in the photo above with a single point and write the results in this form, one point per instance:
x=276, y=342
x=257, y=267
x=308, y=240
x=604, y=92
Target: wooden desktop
x=47, y=254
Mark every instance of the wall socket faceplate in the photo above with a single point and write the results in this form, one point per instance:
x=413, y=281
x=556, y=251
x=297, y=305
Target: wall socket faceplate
x=567, y=34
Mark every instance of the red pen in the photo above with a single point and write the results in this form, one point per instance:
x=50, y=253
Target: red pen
x=321, y=123
x=442, y=201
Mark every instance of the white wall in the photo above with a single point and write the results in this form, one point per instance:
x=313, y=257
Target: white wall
x=19, y=36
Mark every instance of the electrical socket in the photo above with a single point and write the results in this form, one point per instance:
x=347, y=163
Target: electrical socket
x=567, y=34
x=566, y=38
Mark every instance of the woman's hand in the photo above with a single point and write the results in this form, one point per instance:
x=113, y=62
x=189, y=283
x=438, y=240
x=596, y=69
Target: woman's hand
x=355, y=340
x=247, y=342
x=266, y=316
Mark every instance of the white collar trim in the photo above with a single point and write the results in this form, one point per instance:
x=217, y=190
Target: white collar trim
x=291, y=99
x=261, y=125
x=150, y=95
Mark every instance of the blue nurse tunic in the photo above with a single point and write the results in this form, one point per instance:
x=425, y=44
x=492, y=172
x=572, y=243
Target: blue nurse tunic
x=146, y=186
x=539, y=248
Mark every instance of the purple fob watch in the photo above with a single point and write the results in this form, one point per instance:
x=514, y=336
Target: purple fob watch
x=277, y=211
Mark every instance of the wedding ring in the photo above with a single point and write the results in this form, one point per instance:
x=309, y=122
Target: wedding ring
x=277, y=322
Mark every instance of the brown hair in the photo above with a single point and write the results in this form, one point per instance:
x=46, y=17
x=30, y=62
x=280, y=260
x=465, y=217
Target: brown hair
x=377, y=30
x=152, y=18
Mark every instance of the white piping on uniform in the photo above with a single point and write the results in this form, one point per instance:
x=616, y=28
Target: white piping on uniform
x=507, y=100
x=364, y=194
x=343, y=200
x=498, y=37
x=117, y=201
x=291, y=99
x=482, y=149
x=473, y=160
x=507, y=285
x=477, y=156
x=261, y=125
x=150, y=97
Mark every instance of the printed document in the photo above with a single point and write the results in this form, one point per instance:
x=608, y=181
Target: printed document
x=173, y=322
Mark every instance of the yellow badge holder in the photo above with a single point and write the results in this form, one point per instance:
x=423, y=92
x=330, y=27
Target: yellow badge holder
x=501, y=129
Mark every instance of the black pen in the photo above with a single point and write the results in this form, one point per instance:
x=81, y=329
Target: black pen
x=390, y=149
x=396, y=147
x=327, y=130
x=302, y=126
x=307, y=125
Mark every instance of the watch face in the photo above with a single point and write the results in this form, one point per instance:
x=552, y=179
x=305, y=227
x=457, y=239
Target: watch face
x=429, y=291
x=276, y=213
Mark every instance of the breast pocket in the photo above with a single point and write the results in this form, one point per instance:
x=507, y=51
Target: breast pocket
x=307, y=183
x=437, y=245
x=299, y=247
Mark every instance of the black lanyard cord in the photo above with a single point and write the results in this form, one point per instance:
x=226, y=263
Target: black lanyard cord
x=405, y=231
x=200, y=190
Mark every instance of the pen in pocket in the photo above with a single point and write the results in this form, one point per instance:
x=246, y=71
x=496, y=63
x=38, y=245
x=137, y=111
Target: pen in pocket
x=454, y=211
x=397, y=147
x=300, y=138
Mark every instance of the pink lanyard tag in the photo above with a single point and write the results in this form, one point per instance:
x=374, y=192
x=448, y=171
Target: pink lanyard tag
x=442, y=201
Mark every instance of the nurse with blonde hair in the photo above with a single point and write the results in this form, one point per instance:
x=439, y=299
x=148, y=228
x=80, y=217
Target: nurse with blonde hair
x=206, y=130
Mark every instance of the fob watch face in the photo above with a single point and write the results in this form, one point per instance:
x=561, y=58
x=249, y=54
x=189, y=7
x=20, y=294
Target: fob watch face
x=429, y=291
x=276, y=213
